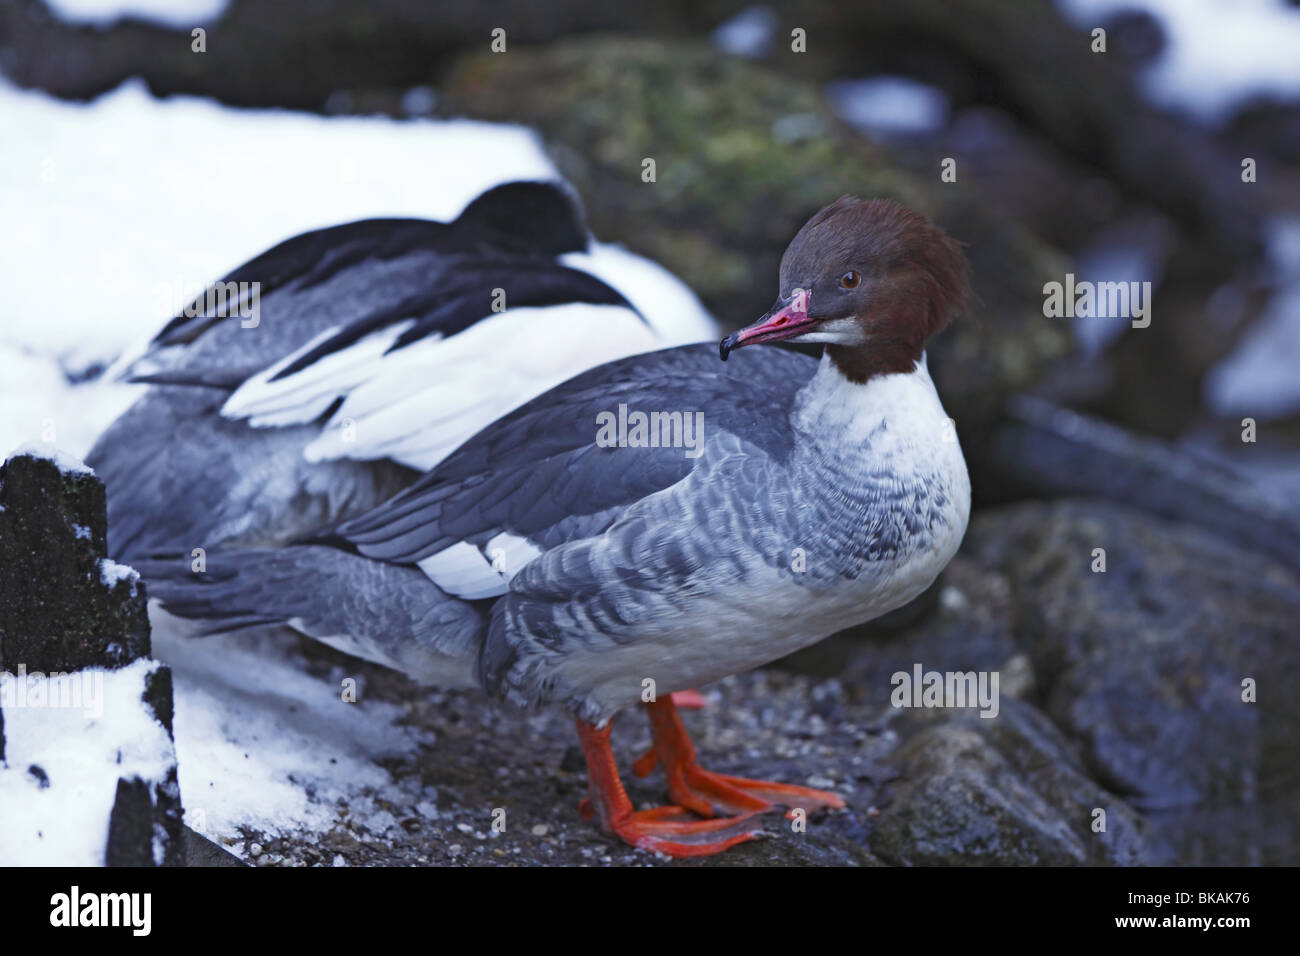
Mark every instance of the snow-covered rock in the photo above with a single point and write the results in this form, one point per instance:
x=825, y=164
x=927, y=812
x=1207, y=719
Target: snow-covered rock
x=88, y=773
x=88, y=776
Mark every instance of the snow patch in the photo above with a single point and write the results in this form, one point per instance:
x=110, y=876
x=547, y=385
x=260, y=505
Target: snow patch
x=110, y=573
x=265, y=745
x=117, y=213
x=1258, y=379
x=170, y=13
x=885, y=106
x=1218, y=56
x=67, y=463
x=751, y=33
x=59, y=813
x=117, y=209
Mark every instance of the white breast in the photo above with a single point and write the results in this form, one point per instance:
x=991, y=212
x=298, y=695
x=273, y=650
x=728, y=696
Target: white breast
x=732, y=627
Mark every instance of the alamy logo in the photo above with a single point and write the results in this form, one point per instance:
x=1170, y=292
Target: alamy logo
x=219, y=300
x=134, y=910
x=80, y=690
x=923, y=688
x=651, y=430
x=1098, y=300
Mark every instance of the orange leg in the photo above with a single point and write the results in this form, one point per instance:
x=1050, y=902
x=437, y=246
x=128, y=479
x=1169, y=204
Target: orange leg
x=708, y=793
x=686, y=700
x=669, y=830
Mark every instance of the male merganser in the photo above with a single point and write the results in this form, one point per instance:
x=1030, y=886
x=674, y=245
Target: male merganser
x=547, y=566
x=374, y=350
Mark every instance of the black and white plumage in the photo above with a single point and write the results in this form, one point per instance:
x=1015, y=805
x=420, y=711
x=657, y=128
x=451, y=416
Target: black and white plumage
x=378, y=347
x=598, y=554
x=817, y=501
x=550, y=566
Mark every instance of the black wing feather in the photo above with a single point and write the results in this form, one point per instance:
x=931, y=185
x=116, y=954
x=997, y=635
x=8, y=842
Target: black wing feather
x=512, y=220
x=536, y=470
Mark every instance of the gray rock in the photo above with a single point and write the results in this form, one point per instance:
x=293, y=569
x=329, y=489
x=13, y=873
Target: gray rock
x=1139, y=669
x=1041, y=450
x=145, y=827
x=56, y=611
x=964, y=789
x=200, y=851
x=1143, y=666
x=1001, y=790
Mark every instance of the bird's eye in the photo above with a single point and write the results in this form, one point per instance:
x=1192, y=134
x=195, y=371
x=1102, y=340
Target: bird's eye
x=850, y=279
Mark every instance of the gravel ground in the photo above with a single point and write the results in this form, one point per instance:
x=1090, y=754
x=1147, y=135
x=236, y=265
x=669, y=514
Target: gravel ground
x=488, y=757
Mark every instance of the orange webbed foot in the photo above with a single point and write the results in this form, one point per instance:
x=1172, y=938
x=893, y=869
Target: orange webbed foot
x=712, y=794
x=675, y=832
x=671, y=830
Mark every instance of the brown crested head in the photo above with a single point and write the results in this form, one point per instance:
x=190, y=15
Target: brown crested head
x=869, y=278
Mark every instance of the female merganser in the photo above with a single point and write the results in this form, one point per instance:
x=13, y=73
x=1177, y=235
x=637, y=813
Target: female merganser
x=548, y=566
x=370, y=352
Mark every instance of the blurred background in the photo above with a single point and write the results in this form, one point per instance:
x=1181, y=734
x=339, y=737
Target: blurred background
x=135, y=167
x=129, y=156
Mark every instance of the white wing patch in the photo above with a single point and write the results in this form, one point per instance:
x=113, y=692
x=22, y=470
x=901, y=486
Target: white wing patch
x=509, y=553
x=466, y=572
x=306, y=394
x=417, y=404
x=668, y=304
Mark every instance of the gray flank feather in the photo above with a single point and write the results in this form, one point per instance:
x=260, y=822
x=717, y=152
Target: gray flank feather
x=389, y=614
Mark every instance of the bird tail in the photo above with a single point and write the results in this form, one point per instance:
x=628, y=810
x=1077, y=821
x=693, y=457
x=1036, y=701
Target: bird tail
x=386, y=613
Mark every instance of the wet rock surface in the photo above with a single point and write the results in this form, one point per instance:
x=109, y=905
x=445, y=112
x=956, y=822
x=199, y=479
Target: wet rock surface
x=1160, y=668
x=1040, y=450
x=972, y=791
